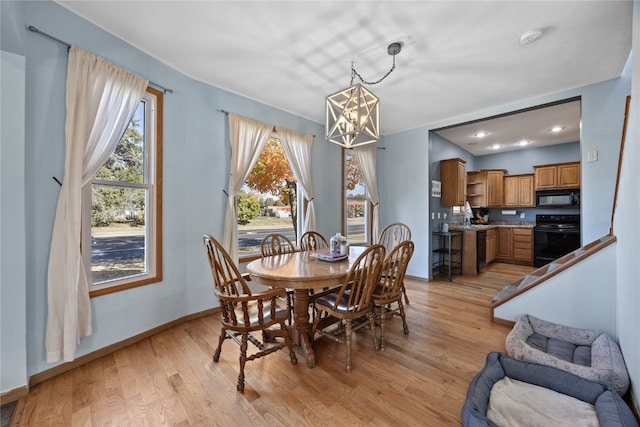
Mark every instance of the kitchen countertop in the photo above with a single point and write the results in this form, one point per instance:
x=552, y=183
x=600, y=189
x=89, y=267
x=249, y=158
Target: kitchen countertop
x=492, y=224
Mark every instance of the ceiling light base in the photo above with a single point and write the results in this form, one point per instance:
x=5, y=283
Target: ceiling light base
x=530, y=36
x=394, y=48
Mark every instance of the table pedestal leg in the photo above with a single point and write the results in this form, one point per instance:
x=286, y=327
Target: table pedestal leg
x=302, y=325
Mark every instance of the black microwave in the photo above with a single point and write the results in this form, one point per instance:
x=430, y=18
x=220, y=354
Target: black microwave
x=558, y=198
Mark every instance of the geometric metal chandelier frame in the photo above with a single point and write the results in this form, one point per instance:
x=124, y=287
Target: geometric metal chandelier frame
x=353, y=117
x=353, y=113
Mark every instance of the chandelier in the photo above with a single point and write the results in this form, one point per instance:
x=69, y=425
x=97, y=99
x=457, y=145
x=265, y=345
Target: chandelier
x=353, y=114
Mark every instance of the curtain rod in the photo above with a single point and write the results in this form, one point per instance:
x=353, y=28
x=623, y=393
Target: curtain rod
x=62, y=42
x=275, y=128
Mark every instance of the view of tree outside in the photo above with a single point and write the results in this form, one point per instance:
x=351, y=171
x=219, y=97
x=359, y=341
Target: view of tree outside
x=118, y=200
x=356, y=200
x=268, y=203
x=248, y=207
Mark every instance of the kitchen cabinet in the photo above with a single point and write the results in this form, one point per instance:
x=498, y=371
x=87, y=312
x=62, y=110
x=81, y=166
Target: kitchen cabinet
x=476, y=189
x=515, y=245
x=504, y=246
x=558, y=175
x=523, y=245
x=485, y=188
x=569, y=175
x=495, y=188
x=453, y=182
x=491, y=244
x=509, y=244
x=518, y=191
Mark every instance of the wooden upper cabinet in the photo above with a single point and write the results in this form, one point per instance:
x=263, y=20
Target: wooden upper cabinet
x=495, y=188
x=518, y=191
x=485, y=188
x=569, y=175
x=546, y=177
x=559, y=175
x=476, y=189
x=453, y=177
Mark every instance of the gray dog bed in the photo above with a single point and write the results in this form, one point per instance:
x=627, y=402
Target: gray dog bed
x=572, y=400
x=592, y=355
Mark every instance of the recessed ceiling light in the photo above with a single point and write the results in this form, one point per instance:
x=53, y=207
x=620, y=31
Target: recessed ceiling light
x=481, y=134
x=557, y=128
x=530, y=36
x=496, y=146
x=524, y=142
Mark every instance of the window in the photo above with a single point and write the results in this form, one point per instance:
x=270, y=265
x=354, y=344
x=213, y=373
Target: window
x=122, y=207
x=268, y=201
x=357, y=207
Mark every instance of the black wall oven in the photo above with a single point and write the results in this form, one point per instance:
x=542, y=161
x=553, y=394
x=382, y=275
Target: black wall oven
x=554, y=236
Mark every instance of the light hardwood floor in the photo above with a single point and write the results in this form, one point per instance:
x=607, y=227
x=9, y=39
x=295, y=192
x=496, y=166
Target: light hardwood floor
x=170, y=379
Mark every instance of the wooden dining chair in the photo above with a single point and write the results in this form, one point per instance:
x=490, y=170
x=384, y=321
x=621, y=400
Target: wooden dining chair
x=392, y=235
x=311, y=241
x=389, y=289
x=243, y=312
x=351, y=301
x=276, y=244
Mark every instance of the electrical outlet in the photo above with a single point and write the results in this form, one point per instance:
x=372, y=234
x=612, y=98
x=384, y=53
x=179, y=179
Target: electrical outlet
x=592, y=156
x=444, y=215
x=438, y=215
x=522, y=215
x=433, y=215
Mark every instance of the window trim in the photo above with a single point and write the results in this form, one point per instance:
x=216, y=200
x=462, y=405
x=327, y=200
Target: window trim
x=154, y=229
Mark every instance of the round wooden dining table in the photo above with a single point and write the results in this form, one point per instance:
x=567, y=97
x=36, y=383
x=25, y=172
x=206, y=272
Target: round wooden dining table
x=300, y=271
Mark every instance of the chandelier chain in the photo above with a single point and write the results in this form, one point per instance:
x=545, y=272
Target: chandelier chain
x=354, y=73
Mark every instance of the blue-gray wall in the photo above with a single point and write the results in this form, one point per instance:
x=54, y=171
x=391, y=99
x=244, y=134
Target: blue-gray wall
x=13, y=349
x=404, y=198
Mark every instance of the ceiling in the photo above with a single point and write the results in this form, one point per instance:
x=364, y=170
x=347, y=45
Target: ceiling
x=533, y=128
x=458, y=58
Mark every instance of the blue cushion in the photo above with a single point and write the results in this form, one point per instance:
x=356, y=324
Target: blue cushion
x=563, y=350
x=538, y=341
x=582, y=355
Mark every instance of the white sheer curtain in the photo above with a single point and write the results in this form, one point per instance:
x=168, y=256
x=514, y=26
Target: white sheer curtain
x=297, y=148
x=101, y=99
x=247, y=138
x=366, y=157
